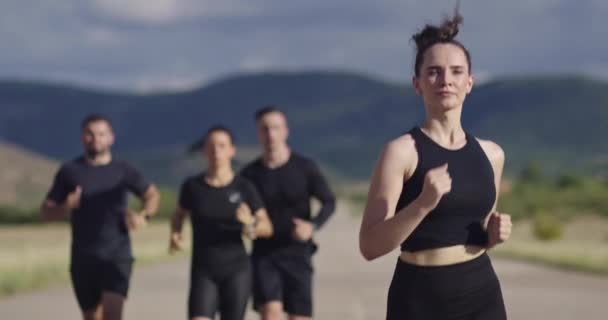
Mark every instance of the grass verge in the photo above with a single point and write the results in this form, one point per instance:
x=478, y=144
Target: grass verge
x=37, y=256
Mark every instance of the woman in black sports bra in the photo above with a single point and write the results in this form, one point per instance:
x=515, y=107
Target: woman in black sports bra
x=222, y=207
x=434, y=192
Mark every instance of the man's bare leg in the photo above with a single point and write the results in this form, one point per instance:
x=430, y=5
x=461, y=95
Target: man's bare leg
x=112, y=305
x=272, y=310
x=93, y=314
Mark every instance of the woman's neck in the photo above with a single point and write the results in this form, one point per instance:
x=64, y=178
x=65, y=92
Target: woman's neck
x=219, y=176
x=445, y=128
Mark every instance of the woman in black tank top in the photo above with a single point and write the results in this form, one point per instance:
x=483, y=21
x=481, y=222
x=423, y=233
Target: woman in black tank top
x=434, y=191
x=222, y=207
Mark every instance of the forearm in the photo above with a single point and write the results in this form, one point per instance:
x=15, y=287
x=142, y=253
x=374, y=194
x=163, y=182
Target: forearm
x=54, y=212
x=484, y=230
x=328, y=207
x=263, y=228
x=484, y=226
x=150, y=201
x=177, y=223
x=383, y=237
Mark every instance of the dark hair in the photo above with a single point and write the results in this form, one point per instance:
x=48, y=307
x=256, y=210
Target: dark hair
x=432, y=35
x=200, y=143
x=266, y=110
x=95, y=117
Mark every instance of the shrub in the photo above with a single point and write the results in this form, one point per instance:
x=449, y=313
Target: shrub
x=547, y=227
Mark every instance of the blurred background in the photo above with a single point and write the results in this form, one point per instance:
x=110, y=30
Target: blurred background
x=165, y=70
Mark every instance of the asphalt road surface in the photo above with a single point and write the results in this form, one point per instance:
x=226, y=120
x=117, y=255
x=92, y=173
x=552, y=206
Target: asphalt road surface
x=346, y=287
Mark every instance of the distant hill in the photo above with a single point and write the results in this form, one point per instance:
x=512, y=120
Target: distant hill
x=341, y=119
x=24, y=176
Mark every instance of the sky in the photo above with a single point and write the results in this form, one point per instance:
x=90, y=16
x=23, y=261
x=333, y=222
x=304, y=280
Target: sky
x=149, y=45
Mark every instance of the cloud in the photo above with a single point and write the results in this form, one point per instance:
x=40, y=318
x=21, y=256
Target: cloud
x=256, y=63
x=143, y=44
x=101, y=36
x=176, y=82
x=162, y=12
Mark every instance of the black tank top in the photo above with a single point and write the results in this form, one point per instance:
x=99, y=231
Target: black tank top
x=458, y=217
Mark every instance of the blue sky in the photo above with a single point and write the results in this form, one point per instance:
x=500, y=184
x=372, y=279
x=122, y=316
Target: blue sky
x=145, y=45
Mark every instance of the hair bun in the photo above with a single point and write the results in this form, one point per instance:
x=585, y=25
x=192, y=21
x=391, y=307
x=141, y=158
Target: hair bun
x=432, y=34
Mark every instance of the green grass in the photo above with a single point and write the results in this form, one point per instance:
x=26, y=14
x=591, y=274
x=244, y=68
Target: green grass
x=32, y=257
x=565, y=195
x=15, y=281
x=10, y=214
x=583, y=247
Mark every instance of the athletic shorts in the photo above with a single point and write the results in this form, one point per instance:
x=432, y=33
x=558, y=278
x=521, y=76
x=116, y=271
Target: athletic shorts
x=468, y=290
x=92, y=276
x=284, y=278
x=227, y=294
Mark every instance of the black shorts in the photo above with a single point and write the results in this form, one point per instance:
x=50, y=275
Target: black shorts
x=226, y=293
x=92, y=276
x=468, y=290
x=285, y=278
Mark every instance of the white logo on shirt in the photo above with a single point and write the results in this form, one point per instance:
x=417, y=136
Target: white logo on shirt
x=234, y=197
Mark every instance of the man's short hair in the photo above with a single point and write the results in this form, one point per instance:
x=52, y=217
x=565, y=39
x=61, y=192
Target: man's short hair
x=266, y=110
x=95, y=117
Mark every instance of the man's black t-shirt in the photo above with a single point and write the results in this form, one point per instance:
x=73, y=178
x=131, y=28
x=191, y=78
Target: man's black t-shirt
x=98, y=224
x=286, y=192
x=216, y=233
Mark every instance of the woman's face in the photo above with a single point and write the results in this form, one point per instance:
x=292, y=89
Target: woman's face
x=218, y=149
x=444, y=79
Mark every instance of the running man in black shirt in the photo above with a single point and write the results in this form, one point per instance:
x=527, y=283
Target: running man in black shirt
x=92, y=192
x=287, y=181
x=222, y=207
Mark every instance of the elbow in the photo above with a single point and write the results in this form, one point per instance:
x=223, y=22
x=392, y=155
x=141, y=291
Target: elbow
x=372, y=246
x=327, y=211
x=368, y=255
x=328, y=203
x=366, y=251
x=331, y=205
x=156, y=197
x=50, y=211
x=47, y=216
x=270, y=230
x=152, y=197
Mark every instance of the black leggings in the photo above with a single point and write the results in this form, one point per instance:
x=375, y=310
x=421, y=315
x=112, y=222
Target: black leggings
x=468, y=290
x=227, y=294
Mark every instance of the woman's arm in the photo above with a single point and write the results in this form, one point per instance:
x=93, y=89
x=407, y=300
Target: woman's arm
x=176, y=242
x=497, y=225
x=381, y=229
x=263, y=226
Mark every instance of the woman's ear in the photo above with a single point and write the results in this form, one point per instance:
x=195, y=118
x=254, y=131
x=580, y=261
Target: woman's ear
x=416, y=85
